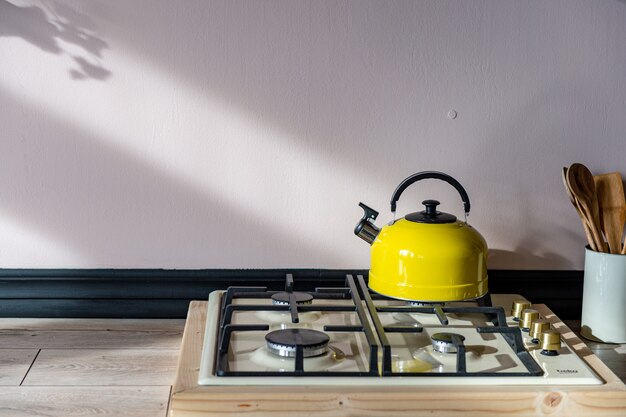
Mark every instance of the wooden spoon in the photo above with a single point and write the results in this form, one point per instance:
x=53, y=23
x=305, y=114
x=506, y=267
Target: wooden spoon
x=610, y=191
x=590, y=239
x=580, y=181
x=624, y=221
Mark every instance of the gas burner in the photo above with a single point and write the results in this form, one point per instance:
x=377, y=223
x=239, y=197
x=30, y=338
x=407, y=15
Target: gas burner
x=285, y=342
x=437, y=309
x=444, y=342
x=282, y=298
x=424, y=304
x=334, y=359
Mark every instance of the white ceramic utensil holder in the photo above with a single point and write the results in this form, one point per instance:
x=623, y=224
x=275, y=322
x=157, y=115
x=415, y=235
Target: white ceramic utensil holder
x=604, y=297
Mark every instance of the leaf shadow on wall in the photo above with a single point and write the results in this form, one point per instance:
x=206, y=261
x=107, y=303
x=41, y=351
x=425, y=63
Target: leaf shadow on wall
x=51, y=30
x=103, y=203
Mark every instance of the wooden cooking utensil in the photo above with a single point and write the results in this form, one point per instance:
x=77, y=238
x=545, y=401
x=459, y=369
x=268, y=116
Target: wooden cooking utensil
x=590, y=240
x=580, y=181
x=624, y=222
x=610, y=191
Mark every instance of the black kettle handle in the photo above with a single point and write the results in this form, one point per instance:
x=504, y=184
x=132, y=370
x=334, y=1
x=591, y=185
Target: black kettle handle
x=425, y=175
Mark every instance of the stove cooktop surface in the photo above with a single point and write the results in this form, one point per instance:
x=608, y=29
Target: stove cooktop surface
x=349, y=336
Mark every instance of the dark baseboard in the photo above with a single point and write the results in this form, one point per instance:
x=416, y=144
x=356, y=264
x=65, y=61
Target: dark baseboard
x=159, y=293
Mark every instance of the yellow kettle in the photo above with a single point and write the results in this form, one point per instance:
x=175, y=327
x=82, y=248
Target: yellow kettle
x=426, y=256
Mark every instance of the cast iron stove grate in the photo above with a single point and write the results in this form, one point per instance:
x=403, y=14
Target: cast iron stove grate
x=359, y=294
x=351, y=292
x=512, y=335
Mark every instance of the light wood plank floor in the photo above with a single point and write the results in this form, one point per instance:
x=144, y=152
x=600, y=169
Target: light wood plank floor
x=87, y=367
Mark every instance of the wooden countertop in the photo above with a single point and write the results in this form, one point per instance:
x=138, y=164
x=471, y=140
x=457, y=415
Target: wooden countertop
x=189, y=399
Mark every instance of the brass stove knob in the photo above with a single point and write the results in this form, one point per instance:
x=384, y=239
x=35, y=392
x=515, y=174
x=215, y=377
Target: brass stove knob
x=538, y=327
x=518, y=307
x=550, y=342
x=528, y=316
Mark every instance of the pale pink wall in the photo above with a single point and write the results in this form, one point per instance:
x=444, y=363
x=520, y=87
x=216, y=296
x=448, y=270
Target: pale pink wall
x=208, y=134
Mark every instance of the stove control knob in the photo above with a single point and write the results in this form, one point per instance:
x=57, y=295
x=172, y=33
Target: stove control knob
x=528, y=316
x=538, y=327
x=518, y=307
x=550, y=342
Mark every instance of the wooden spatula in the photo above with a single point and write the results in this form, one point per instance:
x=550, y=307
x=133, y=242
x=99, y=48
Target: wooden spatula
x=572, y=199
x=610, y=190
x=583, y=188
x=624, y=221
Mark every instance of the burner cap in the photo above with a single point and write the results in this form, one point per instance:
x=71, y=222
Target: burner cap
x=282, y=298
x=442, y=342
x=283, y=342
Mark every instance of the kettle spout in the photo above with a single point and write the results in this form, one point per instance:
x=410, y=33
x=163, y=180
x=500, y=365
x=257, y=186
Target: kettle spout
x=365, y=228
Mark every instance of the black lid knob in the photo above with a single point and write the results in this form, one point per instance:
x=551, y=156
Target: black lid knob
x=430, y=214
x=431, y=207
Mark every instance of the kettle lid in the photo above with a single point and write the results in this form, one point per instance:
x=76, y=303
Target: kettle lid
x=430, y=214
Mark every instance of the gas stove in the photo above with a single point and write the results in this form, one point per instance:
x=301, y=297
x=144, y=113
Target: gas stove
x=352, y=337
